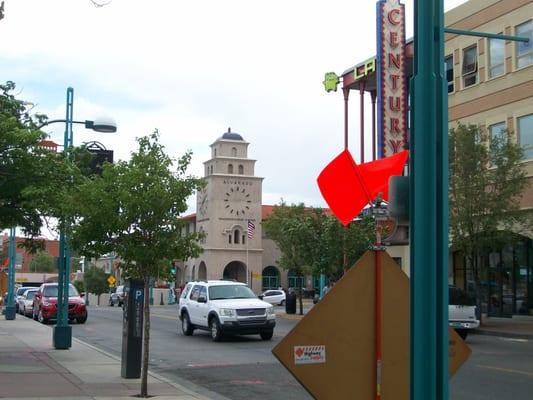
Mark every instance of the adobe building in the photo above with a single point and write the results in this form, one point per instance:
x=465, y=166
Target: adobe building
x=229, y=211
x=490, y=84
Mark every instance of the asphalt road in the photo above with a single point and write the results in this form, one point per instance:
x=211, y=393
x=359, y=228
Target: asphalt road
x=243, y=367
x=237, y=368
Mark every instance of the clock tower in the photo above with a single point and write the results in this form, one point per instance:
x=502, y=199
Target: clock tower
x=228, y=211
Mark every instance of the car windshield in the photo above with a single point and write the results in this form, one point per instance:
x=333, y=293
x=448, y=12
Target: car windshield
x=20, y=291
x=30, y=295
x=230, y=292
x=51, y=291
x=458, y=297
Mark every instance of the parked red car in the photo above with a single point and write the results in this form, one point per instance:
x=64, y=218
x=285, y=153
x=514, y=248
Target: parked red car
x=45, y=304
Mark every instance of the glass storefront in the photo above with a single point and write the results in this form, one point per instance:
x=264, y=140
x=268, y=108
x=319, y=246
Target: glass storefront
x=505, y=277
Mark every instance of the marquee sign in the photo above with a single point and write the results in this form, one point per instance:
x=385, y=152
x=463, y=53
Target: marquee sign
x=391, y=77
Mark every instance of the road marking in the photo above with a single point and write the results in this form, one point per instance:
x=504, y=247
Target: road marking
x=248, y=382
x=508, y=370
x=175, y=318
x=515, y=340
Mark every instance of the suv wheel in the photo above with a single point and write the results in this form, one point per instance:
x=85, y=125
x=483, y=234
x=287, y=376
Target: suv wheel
x=267, y=335
x=186, y=326
x=81, y=320
x=214, y=327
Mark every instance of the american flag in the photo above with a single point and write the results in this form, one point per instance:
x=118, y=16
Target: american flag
x=251, y=229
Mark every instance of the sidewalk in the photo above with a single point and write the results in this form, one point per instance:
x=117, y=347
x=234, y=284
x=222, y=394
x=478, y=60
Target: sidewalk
x=518, y=327
x=31, y=368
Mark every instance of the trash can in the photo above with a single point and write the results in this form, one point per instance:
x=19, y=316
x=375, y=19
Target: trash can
x=290, y=303
x=132, y=329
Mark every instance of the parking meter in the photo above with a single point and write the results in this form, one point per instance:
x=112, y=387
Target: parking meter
x=132, y=329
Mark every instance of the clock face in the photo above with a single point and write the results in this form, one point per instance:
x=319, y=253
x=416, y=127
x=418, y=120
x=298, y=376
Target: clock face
x=237, y=201
x=202, y=203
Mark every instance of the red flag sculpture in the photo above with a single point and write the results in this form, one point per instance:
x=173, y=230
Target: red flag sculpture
x=348, y=187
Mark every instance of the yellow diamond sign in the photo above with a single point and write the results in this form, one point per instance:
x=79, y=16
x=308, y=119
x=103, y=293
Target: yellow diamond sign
x=111, y=280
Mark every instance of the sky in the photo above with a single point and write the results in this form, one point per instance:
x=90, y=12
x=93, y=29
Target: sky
x=191, y=69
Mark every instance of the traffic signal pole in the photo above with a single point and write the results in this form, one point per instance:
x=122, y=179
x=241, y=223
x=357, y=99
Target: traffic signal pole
x=429, y=207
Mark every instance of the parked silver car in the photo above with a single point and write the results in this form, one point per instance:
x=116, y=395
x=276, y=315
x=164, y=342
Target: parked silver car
x=25, y=302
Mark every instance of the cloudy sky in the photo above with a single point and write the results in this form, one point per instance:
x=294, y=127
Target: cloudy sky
x=194, y=68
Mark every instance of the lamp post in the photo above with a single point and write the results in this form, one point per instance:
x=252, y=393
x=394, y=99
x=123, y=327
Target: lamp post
x=10, y=311
x=62, y=336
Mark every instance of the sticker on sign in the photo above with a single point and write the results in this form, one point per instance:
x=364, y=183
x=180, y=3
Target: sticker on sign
x=309, y=354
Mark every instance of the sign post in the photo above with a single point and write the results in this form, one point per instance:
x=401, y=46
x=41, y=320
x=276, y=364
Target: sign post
x=429, y=207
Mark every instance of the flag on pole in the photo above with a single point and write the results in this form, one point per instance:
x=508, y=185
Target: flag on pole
x=251, y=229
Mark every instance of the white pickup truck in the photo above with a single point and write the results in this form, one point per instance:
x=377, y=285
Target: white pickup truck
x=461, y=311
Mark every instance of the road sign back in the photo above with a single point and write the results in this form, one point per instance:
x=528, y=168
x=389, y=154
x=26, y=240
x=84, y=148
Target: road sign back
x=332, y=349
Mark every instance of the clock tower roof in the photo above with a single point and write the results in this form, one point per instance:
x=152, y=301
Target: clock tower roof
x=229, y=135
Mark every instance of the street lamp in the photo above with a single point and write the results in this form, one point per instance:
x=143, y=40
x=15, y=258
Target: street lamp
x=62, y=336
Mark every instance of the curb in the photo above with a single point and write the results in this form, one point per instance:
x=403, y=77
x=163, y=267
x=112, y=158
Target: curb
x=510, y=335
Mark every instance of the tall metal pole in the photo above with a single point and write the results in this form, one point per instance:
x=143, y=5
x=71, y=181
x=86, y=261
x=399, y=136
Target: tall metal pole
x=10, y=311
x=62, y=336
x=429, y=208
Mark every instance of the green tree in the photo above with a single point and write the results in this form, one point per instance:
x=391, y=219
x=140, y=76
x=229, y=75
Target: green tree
x=42, y=262
x=95, y=280
x=312, y=241
x=289, y=227
x=486, y=181
x=134, y=210
x=32, y=179
x=338, y=247
x=79, y=285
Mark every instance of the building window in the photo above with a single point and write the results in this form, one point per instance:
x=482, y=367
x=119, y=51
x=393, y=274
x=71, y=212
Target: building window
x=236, y=236
x=230, y=169
x=525, y=132
x=496, y=57
x=234, y=152
x=243, y=239
x=229, y=238
x=497, y=134
x=448, y=61
x=524, y=50
x=241, y=170
x=211, y=169
x=469, y=66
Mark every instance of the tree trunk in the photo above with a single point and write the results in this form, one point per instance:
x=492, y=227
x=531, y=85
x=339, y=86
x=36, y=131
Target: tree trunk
x=146, y=339
x=98, y=300
x=300, y=295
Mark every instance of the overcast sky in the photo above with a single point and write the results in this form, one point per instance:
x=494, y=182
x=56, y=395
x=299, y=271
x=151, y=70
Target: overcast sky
x=193, y=68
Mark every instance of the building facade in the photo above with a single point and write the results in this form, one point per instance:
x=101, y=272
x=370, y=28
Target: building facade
x=229, y=212
x=490, y=84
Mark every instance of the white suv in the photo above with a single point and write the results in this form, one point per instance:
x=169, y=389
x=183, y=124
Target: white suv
x=224, y=307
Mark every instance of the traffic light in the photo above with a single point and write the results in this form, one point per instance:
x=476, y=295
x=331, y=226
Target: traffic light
x=399, y=198
x=173, y=268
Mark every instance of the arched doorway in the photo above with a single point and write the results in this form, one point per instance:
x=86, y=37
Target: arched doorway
x=295, y=281
x=271, y=278
x=235, y=270
x=202, y=271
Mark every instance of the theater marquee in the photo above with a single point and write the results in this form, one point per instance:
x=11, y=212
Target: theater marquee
x=391, y=78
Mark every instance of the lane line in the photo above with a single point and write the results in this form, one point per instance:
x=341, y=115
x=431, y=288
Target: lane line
x=508, y=370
